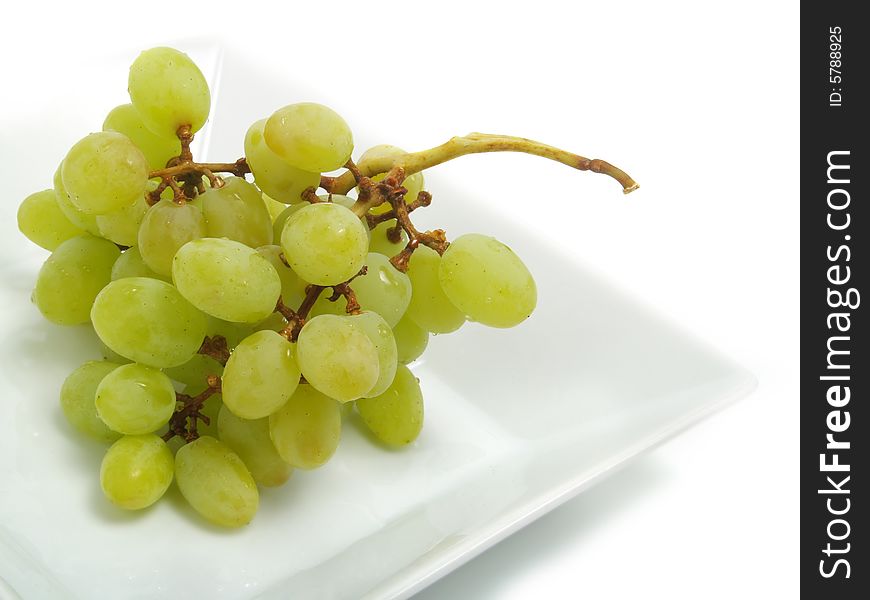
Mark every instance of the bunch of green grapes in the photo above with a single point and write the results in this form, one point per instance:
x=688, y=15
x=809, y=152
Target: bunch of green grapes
x=245, y=319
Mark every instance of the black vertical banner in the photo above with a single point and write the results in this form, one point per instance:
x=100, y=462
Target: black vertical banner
x=834, y=370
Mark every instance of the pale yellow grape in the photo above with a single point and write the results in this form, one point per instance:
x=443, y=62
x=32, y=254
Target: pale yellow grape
x=136, y=471
x=226, y=279
x=274, y=322
x=379, y=332
x=193, y=373
x=111, y=356
x=122, y=226
x=396, y=416
x=76, y=217
x=104, y=172
x=43, y=222
x=166, y=227
x=281, y=220
x=309, y=136
x=429, y=307
x=135, y=399
x=157, y=149
x=292, y=286
x=488, y=282
x=383, y=289
x=71, y=278
x=307, y=429
x=274, y=207
x=413, y=183
x=216, y=483
x=337, y=357
x=131, y=264
x=236, y=211
x=411, y=340
x=168, y=90
x=260, y=375
x=250, y=440
x=233, y=333
x=77, y=396
x=272, y=173
x=325, y=243
x=148, y=321
x=383, y=244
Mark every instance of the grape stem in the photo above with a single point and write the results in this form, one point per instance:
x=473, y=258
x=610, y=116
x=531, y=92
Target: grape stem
x=183, y=422
x=475, y=143
x=215, y=347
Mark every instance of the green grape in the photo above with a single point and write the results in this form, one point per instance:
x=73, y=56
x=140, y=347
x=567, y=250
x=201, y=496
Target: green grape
x=274, y=322
x=226, y=279
x=281, y=220
x=347, y=202
x=168, y=226
x=292, y=287
x=345, y=409
x=337, y=357
x=136, y=471
x=135, y=399
x=72, y=277
x=168, y=90
x=233, y=333
x=396, y=416
x=381, y=242
x=104, y=172
x=325, y=243
x=429, y=307
x=274, y=207
x=131, y=264
x=413, y=183
x=307, y=429
x=77, y=399
x=148, y=321
x=488, y=282
x=122, y=226
x=383, y=289
x=211, y=408
x=236, y=211
x=76, y=217
x=194, y=372
x=158, y=150
x=379, y=332
x=271, y=173
x=251, y=441
x=411, y=340
x=309, y=136
x=111, y=356
x=216, y=483
x=43, y=222
x=260, y=375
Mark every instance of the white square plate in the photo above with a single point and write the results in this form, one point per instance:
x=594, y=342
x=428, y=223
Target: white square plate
x=517, y=422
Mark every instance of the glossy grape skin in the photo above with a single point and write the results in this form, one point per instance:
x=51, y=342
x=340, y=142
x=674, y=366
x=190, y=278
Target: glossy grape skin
x=156, y=149
x=134, y=399
x=488, y=282
x=307, y=429
x=251, y=441
x=194, y=373
x=272, y=174
x=396, y=416
x=78, y=218
x=131, y=264
x=292, y=286
x=379, y=332
x=309, y=136
x=122, y=226
x=411, y=340
x=324, y=243
x=429, y=307
x=168, y=90
x=236, y=211
x=382, y=244
x=216, y=483
x=166, y=227
x=148, y=321
x=71, y=278
x=337, y=357
x=43, y=222
x=136, y=471
x=77, y=399
x=260, y=375
x=226, y=279
x=104, y=172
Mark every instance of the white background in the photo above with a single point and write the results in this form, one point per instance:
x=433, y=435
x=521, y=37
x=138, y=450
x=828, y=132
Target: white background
x=698, y=101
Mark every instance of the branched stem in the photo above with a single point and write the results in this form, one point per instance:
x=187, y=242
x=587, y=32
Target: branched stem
x=183, y=421
x=215, y=347
x=475, y=143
